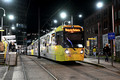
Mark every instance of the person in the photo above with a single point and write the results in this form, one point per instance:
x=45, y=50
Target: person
x=106, y=51
x=94, y=51
x=12, y=47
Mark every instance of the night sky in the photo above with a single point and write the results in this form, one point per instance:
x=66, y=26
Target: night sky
x=51, y=9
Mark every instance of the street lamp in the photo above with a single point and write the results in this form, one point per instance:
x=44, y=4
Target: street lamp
x=2, y=21
x=11, y=17
x=13, y=28
x=63, y=15
x=80, y=15
x=55, y=21
x=99, y=5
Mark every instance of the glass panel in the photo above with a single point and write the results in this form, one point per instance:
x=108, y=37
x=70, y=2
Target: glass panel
x=73, y=39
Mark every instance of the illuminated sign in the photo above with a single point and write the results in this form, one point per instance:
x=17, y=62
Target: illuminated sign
x=72, y=30
x=1, y=30
x=91, y=38
x=88, y=43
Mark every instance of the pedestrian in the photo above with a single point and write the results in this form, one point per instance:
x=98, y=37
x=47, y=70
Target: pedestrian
x=106, y=51
x=12, y=47
x=94, y=51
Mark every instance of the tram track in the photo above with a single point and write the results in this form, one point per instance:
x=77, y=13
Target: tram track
x=40, y=65
x=74, y=71
x=96, y=68
x=73, y=77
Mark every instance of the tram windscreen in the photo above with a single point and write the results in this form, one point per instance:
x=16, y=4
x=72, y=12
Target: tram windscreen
x=73, y=39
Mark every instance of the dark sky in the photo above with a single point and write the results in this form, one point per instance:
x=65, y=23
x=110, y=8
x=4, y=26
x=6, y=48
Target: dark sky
x=51, y=9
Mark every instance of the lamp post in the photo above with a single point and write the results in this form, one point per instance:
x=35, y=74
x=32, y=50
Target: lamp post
x=113, y=24
x=39, y=32
x=99, y=5
x=2, y=21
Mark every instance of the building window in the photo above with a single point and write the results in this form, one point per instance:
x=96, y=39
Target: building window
x=115, y=15
x=119, y=14
x=119, y=29
x=115, y=29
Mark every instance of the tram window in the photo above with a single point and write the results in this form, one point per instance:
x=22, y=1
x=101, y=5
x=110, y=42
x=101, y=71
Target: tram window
x=48, y=38
x=59, y=38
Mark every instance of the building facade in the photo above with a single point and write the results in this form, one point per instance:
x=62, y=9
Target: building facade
x=117, y=26
x=103, y=17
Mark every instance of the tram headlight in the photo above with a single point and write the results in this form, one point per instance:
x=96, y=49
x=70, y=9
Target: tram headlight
x=80, y=45
x=81, y=52
x=66, y=51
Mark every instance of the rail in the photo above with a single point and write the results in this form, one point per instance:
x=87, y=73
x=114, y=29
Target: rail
x=44, y=69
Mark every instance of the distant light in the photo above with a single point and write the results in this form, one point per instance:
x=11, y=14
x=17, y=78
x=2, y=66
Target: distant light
x=80, y=15
x=55, y=21
x=69, y=22
x=7, y=1
x=4, y=15
x=43, y=31
x=8, y=33
x=99, y=4
x=80, y=45
x=11, y=17
x=63, y=15
x=13, y=28
x=55, y=28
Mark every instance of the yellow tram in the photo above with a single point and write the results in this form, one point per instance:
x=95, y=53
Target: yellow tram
x=65, y=43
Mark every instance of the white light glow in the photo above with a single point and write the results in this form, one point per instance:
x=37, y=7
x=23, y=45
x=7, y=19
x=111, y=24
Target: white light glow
x=13, y=28
x=67, y=51
x=80, y=45
x=80, y=16
x=7, y=1
x=55, y=21
x=81, y=52
x=63, y=15
x=69, y=22
x=99, y=4
x=11, y=17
